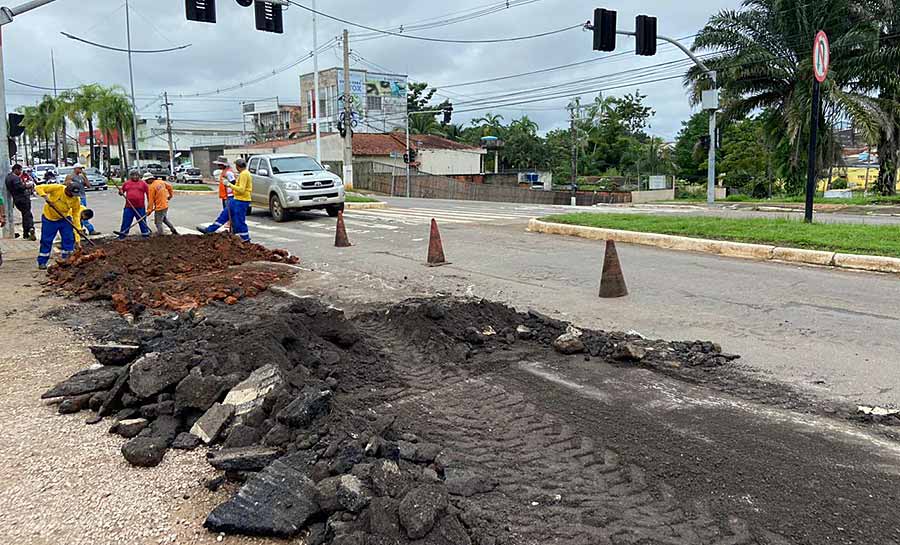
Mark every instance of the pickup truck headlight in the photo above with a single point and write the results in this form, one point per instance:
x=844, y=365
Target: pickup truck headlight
x=291, y=186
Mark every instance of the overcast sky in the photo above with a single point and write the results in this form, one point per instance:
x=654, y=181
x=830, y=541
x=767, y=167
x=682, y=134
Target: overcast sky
x=232, y=51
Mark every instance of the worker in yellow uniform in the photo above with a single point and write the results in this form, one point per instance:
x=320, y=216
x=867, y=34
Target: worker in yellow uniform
x=239, y=204
x=63, y=205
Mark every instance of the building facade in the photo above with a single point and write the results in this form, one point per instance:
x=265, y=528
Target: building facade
x=271, y=120
x=378, y=101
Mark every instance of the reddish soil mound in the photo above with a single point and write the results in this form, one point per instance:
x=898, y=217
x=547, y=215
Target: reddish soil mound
x=172, y=273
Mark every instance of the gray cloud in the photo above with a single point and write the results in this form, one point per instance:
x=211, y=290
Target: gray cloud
x=233, y=51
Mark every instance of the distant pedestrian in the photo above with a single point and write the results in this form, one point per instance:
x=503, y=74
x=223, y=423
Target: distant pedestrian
x=2, y=221
x=226, y=194
x=78, y=175
x=20, y=190
x=63, y=208
x=160, y=192
x=135, y=191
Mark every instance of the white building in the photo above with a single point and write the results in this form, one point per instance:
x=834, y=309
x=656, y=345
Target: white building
x=378, y=101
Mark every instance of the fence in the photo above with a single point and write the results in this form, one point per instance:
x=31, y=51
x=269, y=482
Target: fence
x=392, y=180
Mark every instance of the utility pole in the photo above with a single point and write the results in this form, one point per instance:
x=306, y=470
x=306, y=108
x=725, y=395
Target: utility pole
x=348, y=116
x=134, y=121
x=56, y=95
x=6, y=17
x=315, y=110
x=169, y=132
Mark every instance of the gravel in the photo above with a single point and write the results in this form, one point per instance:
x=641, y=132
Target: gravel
x=62, y=481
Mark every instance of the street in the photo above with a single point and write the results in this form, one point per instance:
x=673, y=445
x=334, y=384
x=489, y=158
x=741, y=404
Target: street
x=827, y=332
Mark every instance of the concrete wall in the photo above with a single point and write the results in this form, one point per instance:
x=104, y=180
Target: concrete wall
x=444, y=162
x=639, y=197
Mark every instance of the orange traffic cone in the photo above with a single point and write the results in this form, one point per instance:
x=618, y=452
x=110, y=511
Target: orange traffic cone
x=612, y=282
x=340, y=238
x=435, y=247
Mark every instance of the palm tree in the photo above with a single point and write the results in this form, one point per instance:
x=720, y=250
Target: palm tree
x=454, y=131
x=762, y=55
x=424, y=124
x=82, y=105
x=490, y=124
x=115, y=113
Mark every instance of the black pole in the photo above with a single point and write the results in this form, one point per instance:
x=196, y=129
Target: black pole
x=813, y=137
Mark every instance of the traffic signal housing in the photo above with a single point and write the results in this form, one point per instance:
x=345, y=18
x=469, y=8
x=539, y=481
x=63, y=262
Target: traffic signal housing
x=645, y=35
x=203, y=11
x=16, y=126
x=448, y=114
x=604, y=30
x=269, y=17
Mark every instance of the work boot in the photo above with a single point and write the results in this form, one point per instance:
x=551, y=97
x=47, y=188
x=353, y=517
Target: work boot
x=42, y=267
x=202, y=230
x=174, y=232
x=31, y=236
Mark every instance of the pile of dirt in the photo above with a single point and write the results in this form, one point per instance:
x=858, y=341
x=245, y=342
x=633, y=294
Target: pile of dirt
x=297, y=404
x=171, y=273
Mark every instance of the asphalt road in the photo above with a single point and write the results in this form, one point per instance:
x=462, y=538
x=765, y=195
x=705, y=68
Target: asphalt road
x=826, y=331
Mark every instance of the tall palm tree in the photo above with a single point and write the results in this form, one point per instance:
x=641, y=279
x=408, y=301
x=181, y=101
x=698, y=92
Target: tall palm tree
x=454, y=131
x=490, y=124
x=82, y=106
x=762, y=55
x=115, y=113
x=424, y=124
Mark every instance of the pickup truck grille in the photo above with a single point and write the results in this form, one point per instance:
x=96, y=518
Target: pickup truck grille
x=193, y=172
x=321, y=184
x=311, y=197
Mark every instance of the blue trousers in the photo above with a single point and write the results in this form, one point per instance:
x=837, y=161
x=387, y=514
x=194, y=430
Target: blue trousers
x=223, y=218
x=239, y=219
x=49, y=230
x=128, y=217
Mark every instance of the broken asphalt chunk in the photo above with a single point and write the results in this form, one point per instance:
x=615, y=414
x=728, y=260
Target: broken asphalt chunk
x=243, y=459
x=252, y=392
x=279, y=501
x=85, y=382
x=311, y=404
x=213, y=422
x=115, y=354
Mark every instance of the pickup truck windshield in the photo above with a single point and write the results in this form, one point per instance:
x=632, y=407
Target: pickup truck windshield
x=287, y=165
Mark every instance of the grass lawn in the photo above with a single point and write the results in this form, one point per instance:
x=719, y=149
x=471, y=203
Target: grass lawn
x=855, y=201
x=191, y=187
x=360, y=198
x=881, y=240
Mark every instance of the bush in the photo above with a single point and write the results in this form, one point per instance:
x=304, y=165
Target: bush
x=840, y=183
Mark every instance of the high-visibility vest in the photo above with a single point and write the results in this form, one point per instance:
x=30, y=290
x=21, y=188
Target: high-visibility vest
x=224, y=192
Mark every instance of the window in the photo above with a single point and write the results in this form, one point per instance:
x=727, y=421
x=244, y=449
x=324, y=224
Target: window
x=300, y=163
x=264, y=165
x=254, y=165
x=373, y=103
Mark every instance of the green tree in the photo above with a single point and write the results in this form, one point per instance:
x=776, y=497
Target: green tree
x=81, y=108
x=762, y=57
x=523, y=148
x=745, y=158
x=490, y=125
x=690, y=157
x=115, y=113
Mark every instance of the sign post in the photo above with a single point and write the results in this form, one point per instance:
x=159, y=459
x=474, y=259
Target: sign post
x=821, y=62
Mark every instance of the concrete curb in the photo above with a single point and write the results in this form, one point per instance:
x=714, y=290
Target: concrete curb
x=365, y=205
x=204, y=193
x=760, y=252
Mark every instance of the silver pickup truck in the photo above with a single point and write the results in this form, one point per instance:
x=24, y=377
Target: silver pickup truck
x=286, y=182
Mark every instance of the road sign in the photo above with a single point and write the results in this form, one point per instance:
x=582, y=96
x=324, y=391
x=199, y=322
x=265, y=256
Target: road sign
x=821, y=56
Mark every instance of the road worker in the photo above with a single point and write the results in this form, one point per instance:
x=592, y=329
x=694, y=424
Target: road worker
x=62, y=209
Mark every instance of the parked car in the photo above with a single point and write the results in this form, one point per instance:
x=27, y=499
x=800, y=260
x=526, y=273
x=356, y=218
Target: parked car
x=41, y=170
x=157, y=169
x=187, y=174
x=292, y=182
x=97, y=180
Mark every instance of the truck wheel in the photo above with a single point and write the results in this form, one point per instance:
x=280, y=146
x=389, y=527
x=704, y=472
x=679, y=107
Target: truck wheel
x=276, y=210
x=334, y=210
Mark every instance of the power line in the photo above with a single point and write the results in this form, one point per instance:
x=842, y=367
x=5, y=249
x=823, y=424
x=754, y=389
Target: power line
x=121, y=50
x=439, y=40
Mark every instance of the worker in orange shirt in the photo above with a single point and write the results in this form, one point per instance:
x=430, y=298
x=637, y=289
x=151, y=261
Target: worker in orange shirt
x=227, y=180
x=159, y=194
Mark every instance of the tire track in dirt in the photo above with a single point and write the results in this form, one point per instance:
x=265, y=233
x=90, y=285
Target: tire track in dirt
x=554, y=486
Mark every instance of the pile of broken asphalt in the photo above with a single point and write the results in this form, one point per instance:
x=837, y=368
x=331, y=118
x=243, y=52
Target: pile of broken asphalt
x=168, y=273
x=293, y=402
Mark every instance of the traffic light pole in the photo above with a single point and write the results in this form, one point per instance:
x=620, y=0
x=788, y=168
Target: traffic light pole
x=6, y=17
x=711, y=172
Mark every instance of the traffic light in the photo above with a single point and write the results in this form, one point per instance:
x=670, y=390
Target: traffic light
x=16, y=128
x=13, y=147
x=269, y=17
x=645, y=35
x=203, y=11
x=245, y=3
x=704, y=142
x=604, y=30
x=448, y=114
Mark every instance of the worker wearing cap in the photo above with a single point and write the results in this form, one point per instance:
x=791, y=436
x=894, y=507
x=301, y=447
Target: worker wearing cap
x=160, y=192
x=226, y=193
x=241, y=203
x=135, y=191
x=78, y=175
x=62, y=208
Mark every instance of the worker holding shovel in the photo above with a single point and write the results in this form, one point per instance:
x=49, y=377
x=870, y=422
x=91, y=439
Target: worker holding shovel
x=135, y=191
x=63, y=204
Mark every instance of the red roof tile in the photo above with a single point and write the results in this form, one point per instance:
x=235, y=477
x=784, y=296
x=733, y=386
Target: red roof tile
x=377, y=144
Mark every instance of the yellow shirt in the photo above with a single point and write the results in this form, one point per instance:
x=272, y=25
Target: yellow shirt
x=244, y=187
x=60, y=203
